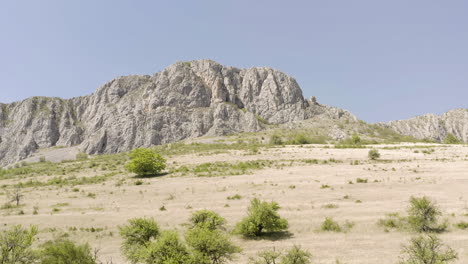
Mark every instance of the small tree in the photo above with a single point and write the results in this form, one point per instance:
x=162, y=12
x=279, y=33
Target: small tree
x=16, y=196
x=167, y=249
x=262, y=216
x=64, y=251
x=15, y=245
x=145, y=162
x=373, y=154
x=423, y=215
x=427, y=250
x=136, y=237
x=451, y=139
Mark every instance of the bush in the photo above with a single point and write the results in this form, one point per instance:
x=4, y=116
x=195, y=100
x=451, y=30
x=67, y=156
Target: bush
x=145, y=162
x=167, y=249
x=296, y=256
x=262, y=216
x=207, y=219
x=427, y=250
x=266, y=257
x=213, y=246
x=136, y=237
x=64, y=251
x=15, y=245
x=451, y=139
x=373, y=154
x=462, y=225
x=330, y=225
x=276, y=140
x=423, y=215
x=293, y=256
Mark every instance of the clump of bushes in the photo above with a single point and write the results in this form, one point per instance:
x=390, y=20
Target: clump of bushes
x=206, y=241
x=330, y=225
x=16, y=247
x=295, y=255
x=145, y=162
x=262, y=218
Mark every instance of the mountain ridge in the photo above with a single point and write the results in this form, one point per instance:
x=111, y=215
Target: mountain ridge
x=185, y=100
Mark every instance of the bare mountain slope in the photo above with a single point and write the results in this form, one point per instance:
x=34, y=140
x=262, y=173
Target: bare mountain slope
x=434, y=127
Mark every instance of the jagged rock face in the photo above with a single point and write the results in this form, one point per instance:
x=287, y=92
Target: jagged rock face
x=185, y=100
x=434, y=127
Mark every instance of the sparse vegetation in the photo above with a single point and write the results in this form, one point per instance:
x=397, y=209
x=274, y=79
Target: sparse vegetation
x=451, y=139
x=295, y=255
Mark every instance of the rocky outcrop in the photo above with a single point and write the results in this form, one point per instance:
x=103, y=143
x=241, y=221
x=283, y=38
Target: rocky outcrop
x=434, y=127
x=186, y=100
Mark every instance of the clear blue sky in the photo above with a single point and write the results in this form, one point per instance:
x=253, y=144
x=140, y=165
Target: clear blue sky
x=382, y=60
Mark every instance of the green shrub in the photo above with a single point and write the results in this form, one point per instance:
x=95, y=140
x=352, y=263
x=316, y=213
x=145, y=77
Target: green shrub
x=64, y=251
x=373, y=154
x=266, y=257
x=262, y=217
x=15, y=245
x=276, y=140
x=234, y=197
x=145, y=162
x=451, y=139
x=136, y=236
x=361, y=180
x=212, y=245
x=167, y=249
x=427, y=250
x=207, y=219
x=296, y=256
x=462, y=225
x=293, y=256
x=423, y=215
x=330, y=225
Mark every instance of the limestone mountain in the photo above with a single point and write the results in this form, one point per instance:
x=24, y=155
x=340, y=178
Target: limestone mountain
x=434, y=127
x=185, y=100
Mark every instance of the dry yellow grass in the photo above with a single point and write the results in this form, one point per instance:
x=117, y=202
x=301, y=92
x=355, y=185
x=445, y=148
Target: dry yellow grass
x=399, y=174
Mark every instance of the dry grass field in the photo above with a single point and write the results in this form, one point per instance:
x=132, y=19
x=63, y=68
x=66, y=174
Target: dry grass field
x=310, y=183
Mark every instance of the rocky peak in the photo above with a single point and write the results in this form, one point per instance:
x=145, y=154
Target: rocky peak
x=185, y=100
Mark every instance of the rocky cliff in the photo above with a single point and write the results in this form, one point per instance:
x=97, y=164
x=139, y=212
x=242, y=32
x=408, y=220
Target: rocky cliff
x=186, y=100
x=434, y=127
